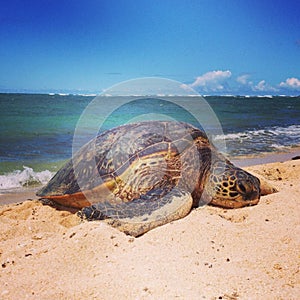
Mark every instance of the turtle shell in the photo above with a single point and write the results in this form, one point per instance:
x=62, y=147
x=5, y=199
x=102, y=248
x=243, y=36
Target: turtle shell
x=123, y=163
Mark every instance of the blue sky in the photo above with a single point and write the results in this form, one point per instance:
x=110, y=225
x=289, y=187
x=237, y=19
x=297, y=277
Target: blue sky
x=214, y=46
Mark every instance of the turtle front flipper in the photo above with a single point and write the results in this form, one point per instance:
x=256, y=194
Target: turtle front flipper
x=143, y=214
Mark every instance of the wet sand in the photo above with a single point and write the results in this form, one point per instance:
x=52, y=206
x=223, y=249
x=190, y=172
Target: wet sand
x=213, y=253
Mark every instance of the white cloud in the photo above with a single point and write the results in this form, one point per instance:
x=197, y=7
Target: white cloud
x=244, y=79
x=262, y=86
x=291, y=83
x=212, y=81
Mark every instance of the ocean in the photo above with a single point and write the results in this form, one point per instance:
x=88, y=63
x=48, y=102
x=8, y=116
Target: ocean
x=37, y=130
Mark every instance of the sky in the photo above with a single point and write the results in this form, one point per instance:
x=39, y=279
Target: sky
x=217, y=47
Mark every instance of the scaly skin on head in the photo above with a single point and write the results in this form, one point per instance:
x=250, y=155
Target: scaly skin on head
x=230, y=187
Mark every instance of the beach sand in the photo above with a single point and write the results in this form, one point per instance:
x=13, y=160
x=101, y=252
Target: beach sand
x=213, y=253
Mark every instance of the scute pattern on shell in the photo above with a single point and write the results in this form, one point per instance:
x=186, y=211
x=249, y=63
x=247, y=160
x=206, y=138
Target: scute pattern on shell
x=139, y=156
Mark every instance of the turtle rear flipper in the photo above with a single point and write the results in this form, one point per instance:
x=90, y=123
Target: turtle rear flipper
x=141, y=215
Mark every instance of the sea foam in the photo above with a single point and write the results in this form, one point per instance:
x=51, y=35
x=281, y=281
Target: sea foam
x=276, y=138
x=292, y=131
x=24, y=178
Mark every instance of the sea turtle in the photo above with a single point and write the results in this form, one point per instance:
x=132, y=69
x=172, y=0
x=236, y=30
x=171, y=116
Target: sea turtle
x=142, y=175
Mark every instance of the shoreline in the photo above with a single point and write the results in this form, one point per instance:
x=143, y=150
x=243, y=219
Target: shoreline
x=18, y=196
x=265, y=158
x=28, y=193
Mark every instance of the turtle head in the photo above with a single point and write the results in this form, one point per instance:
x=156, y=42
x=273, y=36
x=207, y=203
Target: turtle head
x=231, y=187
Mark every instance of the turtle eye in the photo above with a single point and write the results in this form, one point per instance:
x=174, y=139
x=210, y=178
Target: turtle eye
x=242, y=187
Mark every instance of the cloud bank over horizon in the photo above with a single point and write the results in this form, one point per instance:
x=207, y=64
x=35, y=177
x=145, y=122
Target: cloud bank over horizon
x=224, y=82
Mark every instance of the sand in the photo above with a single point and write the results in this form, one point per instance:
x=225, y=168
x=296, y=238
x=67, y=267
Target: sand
x=213, y=253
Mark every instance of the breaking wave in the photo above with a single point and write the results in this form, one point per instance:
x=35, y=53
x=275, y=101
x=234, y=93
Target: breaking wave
x=24, y=178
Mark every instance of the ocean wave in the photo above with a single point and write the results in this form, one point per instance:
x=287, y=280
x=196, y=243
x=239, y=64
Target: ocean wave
x=279, y=147
x=24, y=178
x=291, y=132
x=272, y=139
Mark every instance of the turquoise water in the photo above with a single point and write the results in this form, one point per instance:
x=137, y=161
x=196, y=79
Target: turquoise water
x=37, y=130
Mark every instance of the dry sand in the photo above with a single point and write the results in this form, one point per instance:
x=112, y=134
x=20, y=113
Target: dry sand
x=248, y=253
